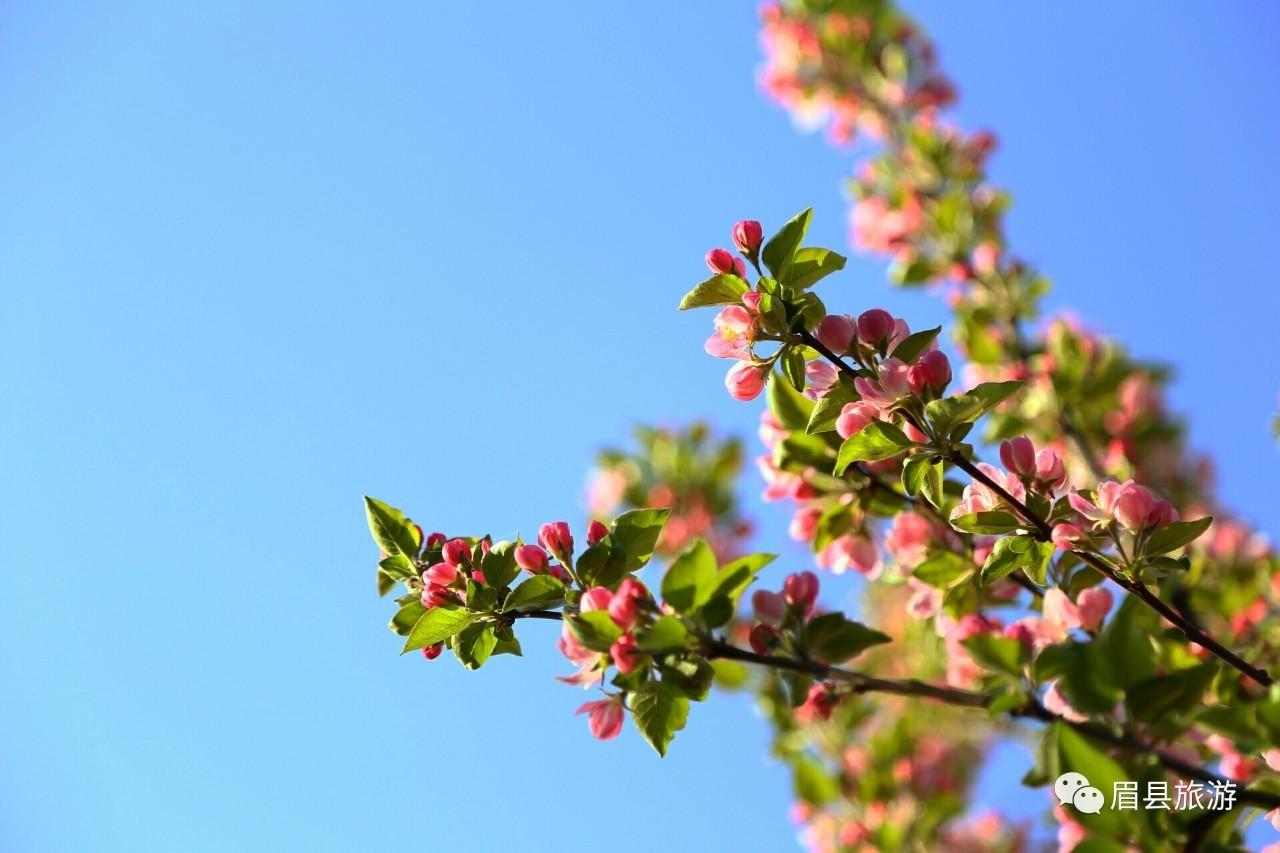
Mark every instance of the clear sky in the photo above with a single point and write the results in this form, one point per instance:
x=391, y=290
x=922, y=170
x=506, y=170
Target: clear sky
x=258, y=262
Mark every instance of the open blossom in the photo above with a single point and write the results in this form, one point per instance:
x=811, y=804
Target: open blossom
x=925, y=599
x=734, y=332
x=1128, y=503
x=855, y=416
x=908, y=539
x=589, y=671
x=604, y=717
x=852, y=551
x=819, y=377
x=745, y=381
x=891, y=386
x=977, y=497
x=876, y=228
x=771, y=430
x=804, y=524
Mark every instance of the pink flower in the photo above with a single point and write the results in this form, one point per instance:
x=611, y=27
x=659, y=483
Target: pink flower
x=1162, y=513
x=435, y=595
x=432, y=652
x=852, y=551
x=819, y=377
x=984, y=258
x=457, y=552
x=555, y=537
x=531, y=558
x=801, y=591
x=763, y=638
x=747, y=236
x=624, y=608
x=908, y=539
x=855, y=416
x=925, y=599
x=932, y=371
x=722, y=262
x=837, y=332
x=626, y=657
x=819, y=704
x=891, y=386
x=751, y=301
x=1066, y=535
x=977, y=497
x=435, y=540
x=596, y=598
x=745, y=381
x=1093, y=605
x=441, y=574
x=1132, y=505
x=770, y=608
x=1056, y=703
x=734, y=331
x=875, y=326
x=771, y=430
x=604, y=717
x=596, y=532
x=1049, y=469
x=1019, y=456
x=804, y=524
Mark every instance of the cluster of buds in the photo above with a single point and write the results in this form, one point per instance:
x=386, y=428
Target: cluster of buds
x=1128, y=504
x=778, y=612
x=1042, y=472
x=444, y=583
x=555, y=540
x=737, y=326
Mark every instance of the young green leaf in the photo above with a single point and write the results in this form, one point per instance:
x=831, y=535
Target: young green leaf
x=779, y=252
x=875, y=441
x=666, y=633
x=828, y=408
x=499, y=565
x=943, y=569
x=659, y=712
x=999, y=654
x=788, y=405
x=832, y=637
x=595, y=629
x=535, y=593
x=391, y=530
x=717, y=290
x=691, y=579
x=915, y=344
x=437, y=625
x=474, y=644
x=636, y=533
x=810, y=265
x=1174, y=536
x=990, y=523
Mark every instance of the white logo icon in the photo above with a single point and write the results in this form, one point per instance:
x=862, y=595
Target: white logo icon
x=1075, y=789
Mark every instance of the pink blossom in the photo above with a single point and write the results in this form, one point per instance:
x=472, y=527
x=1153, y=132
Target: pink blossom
x=751, y=301
x=441, y=574
x=596, y=598
x=1272, y=757
x=626, y=657
x=837, y=332
x=1162, y=513
x=435, y=595
x=745, y=381
x=984, y=258
x=909, y=538
x=875, y=326
x=1066, y=535
x=432, y=652
x=531, y=558
x=1056, y=703
x=435, y=540
x=604, y=717
x=891, y=386
x=722, y=262
x=852, y=551
x=854, y=416
x=931, y=372
x=596, y=532
x=1019, y=456
x=819, y=377
x=554, y=536
x=457, y=552
x=624, y=608
x=763, y=638
x=734, y=332
x=1132, y=505
x=925, y=599
x=747, y=236
x=770, y=607
x=801, y=591
x=804, y=524
x=1093, y=605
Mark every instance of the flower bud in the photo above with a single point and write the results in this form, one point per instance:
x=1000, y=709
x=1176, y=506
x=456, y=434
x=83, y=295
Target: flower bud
x=936, y=369
x=770, y=608
x=432, y=652
x=763, y=639
x=801, y=590
x=1162, y=513
x=747, y=236
x=531, y=558
x=624, y=608
x=596, y=598
x=1066, y=535
x=1050, y=470
x=554, y=536
x=457, y=552
x=722, y=262
x=1132, y=505
x=875, y=326
x=596, y=532
x=1019, y=456
x=626, y=657
x=435, y=540
x=435, y=595
x=837, y=333
x=745, y=381
x=442, y=574
x=1093, y=605
x=751, y=301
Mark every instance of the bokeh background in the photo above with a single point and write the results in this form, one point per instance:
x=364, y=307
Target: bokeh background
x=261, y=259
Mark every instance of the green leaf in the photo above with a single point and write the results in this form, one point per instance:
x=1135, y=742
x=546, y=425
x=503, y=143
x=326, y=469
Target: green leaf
x=391, y=530
x=595, y=629
x=909, y=350
x=437, y=625
x=949, y=412
x=691, y=579
x=1077, y=754
x=406, y=617
x=812, y=783
x=1174, y=536
x=398, y=567
x=779, y=252
x=993, y=522
x=733, y=578
x=1013, y=553
x=810, y=265
x=499, y=565
x=601, y=564
x=998, y=654
x=943, y=569
x=474, y=644
x=1173, y=693
x=717, y=290
x=875, y=441
x=789, y=406
x=666, y=633
x=834, y=639
x=828, y=408
x=659, y=712
x=914, y=472
x=636, y=533
x=933, y=487
x=535, y=593
x=1126, y=643
x=793, y=367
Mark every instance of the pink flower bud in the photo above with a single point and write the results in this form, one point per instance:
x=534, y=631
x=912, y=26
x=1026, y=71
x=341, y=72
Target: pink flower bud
x=875, y=326
x=555, y=537
x=1066, y=535
x=804, y=524
x=722, y=262
x=770, y=608
x=441, y=574
x=531, y=558
x=1019, y=456
x=1021, y=632
x=624, y=609
x=435, y=540
x=747, y=236
x=626, y=657
x=604, y=717
x=435, y=595
x=478, y=576
x=1094, y=604
x=751, y=301
x=1132, y=505
x=432, y=652
x=457, y=552
x=801, y=590
x=763, y=639
x=596, y=532
x=596, y=598
x=855, y=416
x=837, y=333
x=1162, y=513
x=559, y=573
x=745, y=381
x=1050, y=470
x=936, y=369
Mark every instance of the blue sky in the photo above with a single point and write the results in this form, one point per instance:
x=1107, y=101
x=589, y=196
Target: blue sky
x=258, y=262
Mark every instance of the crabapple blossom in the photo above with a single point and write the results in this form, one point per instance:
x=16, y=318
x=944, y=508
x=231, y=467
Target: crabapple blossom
x=890, y=387
x=596, y=532
x=747, y=236
x=734, y=330
x=596, y=598
x=441, y=574
x=801, y=591
x=837, y=332
x=763, y=638
x=531, y=558
x=722, y=262
x=1065, y=535
x=604, y=717
x=624, y=607
x=432, y=652
x=875, y=326
x=770, y=607
x=854, y=416
x=745, y=381
x=556, y=539
x=626, y=657
x=931, y=372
